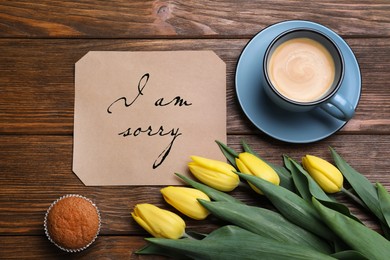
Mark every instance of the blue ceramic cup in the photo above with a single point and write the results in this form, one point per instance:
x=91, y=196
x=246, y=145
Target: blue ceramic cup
x=304, y=69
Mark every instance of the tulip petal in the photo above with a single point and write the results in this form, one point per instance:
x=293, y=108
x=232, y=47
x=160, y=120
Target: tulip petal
x=143, y=224
x=158, y=222
x=213, y=164
x=259, y=168
x=284, y=175
x=307, y=186
x=223, y=181
x=213, y=193
x=186, y=201
x=242, y=167
x=313, y=188
x=324, y=182
x=324, y=173
x=168, y=225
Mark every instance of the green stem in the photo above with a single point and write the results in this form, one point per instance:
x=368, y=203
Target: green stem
x=185, y=235
x=354, y=197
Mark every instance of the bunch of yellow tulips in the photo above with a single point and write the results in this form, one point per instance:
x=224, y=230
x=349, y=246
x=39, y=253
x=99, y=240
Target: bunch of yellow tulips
x=217, y=174
x=308, y=223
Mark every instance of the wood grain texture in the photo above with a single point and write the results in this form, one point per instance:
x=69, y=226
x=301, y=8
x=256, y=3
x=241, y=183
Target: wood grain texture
x=36, y=170
x=163, y=18
x=40, y=41
x=38, y=247
x=37, y=81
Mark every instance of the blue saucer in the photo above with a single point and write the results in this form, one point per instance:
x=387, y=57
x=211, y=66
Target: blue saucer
x=276, y=122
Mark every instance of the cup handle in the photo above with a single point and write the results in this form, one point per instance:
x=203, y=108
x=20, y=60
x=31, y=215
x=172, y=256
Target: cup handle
x=339, y=108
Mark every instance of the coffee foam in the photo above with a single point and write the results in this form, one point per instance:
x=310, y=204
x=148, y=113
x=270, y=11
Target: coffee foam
x=301, y=69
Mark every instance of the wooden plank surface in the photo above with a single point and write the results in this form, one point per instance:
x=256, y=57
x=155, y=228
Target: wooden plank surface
x=37, y=81
x=36, y=170
x=154, y=19
x=105, y=247
x=40, y=41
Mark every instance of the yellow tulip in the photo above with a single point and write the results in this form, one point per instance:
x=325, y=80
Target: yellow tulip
x=324, y=173
x=159, y=222
x=186, y=201
x=250, y=164
x=216, y=174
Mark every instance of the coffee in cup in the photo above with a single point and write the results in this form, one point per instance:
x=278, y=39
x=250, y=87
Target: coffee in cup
x=304, y=69
x=301, y=69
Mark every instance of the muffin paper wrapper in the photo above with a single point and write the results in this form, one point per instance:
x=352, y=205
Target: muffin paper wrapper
x=47, y=232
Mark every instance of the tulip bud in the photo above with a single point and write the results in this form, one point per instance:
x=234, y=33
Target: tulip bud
x=324, y=173
x=216, y=174
x=186, y=201
x=159, y=222
x=253, y=165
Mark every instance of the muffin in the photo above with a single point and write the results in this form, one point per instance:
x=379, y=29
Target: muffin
x=72, y=223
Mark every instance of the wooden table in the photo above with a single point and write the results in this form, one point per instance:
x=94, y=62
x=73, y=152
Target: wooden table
x=40, y=41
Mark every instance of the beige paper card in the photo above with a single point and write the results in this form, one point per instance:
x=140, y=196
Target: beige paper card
x=139, y=116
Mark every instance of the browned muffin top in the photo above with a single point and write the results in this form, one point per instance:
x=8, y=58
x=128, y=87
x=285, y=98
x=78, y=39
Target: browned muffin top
x=73, y=222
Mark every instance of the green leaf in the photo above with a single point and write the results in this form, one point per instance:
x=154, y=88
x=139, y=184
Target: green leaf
x=361, y=185
x=154, y=249
x=248, y=149
x=349, y=255
x=314, y=189
x=286, y=180
x=341, y=208
x=301, y=183
x=195, y=235
x=231, y=242
x=357, y=236
x=287, y=162
x=386, y=230
x=284, y=175
x=291, y=206
x=212, y=193
x=231, y=155
x=228, y=152
x=266, y=223
x=384, y=202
